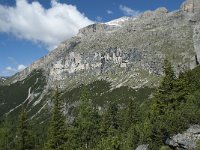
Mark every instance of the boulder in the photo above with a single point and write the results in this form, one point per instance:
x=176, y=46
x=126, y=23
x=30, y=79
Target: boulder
x=186, y=140
x=142, y=147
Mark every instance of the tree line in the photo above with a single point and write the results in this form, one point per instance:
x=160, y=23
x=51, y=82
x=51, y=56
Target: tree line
x=173, y=107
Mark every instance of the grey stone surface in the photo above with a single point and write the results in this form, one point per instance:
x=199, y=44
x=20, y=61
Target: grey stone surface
x=191, y=6
x=142, y=147
x=186, y=140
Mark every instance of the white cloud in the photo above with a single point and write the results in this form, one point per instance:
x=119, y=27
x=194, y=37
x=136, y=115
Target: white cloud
x=31, y=21
x=10, y=69
x=21, y=67
x=13, y=68
x=109, y=12
x=128, y=11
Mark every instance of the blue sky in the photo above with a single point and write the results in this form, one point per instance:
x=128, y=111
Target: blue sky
x=30, y=28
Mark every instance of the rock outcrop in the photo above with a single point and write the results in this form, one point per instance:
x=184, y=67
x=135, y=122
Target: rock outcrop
x=186, y=140
x=191, y=6
x=142, y=147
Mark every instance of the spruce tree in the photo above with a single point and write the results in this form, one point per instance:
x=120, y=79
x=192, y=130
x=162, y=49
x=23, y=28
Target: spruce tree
x=57, y=130
x=182, y=88
x=165, y=90
x=110, y=128
x=161, y=109
x=130, y=138
x=6, y=134
x=86, y=122
x=131, y=114
x=110, y=118
x=24, y=137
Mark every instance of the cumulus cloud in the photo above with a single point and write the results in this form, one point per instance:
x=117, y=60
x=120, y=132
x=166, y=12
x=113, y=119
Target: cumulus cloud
x=128, y=11
x=33, y=22
x=21, y=67
x=109, y=12
x=12, y=70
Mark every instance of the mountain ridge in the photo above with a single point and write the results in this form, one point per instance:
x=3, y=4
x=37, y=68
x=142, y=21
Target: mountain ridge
x=130, y=55
x=103, y=47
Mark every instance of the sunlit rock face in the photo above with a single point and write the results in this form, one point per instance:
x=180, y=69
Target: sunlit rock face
x=126, y=51
x=191, y=6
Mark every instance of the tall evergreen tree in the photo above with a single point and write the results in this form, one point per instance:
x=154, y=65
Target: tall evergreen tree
x=130, y=139
x=182, y=88
x=164, y=93
x=24, y=137
x=110, y=118
x=57, y=130
x=86, y=122
x=6, y=134
x=163, y=105
x=110, y=128
x=131, y=115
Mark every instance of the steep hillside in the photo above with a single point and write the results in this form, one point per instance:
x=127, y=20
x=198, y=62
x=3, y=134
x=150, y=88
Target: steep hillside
x=34, y=93
x=29, y=91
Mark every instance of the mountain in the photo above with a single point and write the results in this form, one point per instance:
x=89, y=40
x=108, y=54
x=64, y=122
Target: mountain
x=125, y=54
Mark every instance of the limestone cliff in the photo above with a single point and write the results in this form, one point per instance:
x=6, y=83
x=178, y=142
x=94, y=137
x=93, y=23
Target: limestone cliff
x=127, y=51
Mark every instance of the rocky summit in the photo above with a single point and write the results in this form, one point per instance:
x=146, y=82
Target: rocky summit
x=126, y=51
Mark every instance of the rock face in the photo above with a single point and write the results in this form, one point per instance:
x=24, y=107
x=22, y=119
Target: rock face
x=186, y=140
x=142, y=147
x=191, y=6
x=126, y=51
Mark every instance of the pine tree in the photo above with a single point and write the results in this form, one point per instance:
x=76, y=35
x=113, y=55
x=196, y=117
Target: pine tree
x=110, y=118
x=166, y=88
x=86, y=122
x=163, y=104
x=24, y=137
x=6, y=134
x=130, y=138
x=131, y=115
x=110, y=128
x=182, y=88
x=57, y=131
